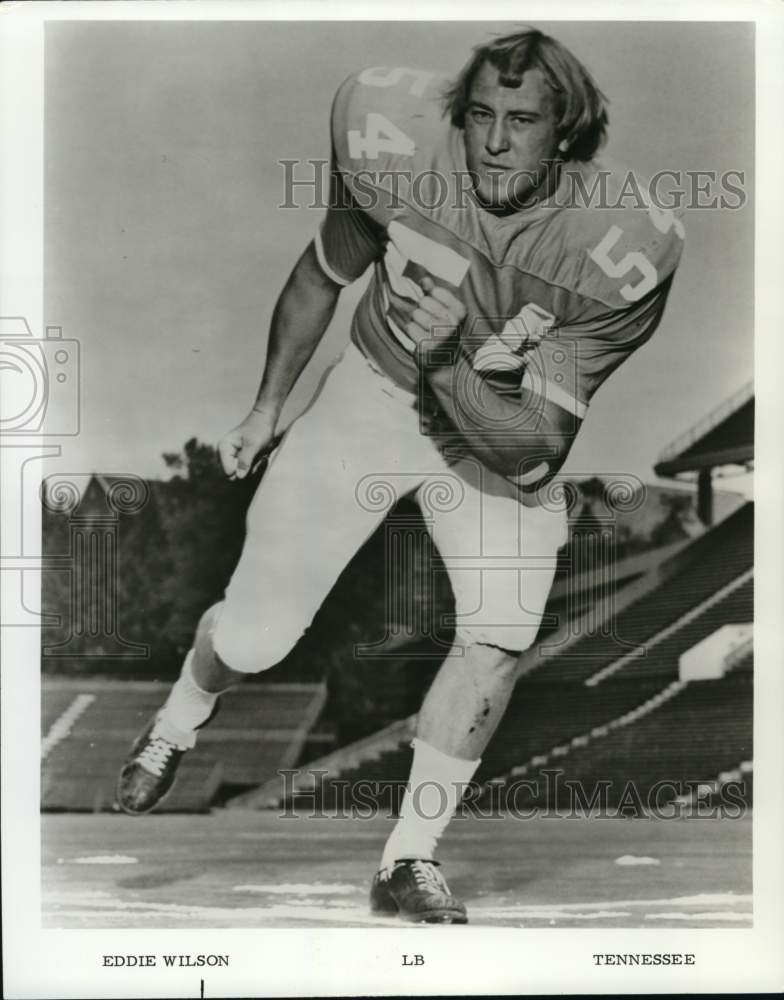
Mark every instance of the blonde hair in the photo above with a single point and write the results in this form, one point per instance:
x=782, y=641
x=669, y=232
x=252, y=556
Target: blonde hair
x=581, y=106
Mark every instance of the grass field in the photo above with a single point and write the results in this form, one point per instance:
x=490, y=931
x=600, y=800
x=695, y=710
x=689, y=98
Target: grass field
x=257, y=869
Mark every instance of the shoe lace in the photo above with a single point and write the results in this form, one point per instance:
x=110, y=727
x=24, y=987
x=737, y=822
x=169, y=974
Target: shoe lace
x=427, y=876
x=155, y=755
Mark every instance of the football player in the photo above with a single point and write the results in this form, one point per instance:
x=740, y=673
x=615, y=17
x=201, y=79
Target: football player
x=502, y=296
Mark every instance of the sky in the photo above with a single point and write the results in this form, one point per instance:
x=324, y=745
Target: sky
x=165, y=248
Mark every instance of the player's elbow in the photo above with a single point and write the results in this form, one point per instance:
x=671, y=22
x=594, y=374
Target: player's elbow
x=309, y=278
x=534, y=472
x=534, y=466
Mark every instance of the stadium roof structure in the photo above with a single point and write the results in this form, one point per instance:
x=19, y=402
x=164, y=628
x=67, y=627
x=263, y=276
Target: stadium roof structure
x=725, y=437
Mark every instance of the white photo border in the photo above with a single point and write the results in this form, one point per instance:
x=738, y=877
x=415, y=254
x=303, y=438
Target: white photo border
x=324, y=962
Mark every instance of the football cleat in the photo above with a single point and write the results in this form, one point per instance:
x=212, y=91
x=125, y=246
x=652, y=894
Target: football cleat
x=150, y=768
x=149, y=771
x=415, y=890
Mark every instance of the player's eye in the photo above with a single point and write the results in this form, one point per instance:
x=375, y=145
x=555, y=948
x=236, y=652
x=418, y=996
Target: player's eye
x=480, y=115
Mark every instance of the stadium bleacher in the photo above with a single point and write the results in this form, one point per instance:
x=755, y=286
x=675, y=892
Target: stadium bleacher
x=697, y=572
x=662, y=658
x=705, y=728
x=258, y=730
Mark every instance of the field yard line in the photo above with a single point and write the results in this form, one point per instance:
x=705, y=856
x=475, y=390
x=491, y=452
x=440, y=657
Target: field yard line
x=62, y=726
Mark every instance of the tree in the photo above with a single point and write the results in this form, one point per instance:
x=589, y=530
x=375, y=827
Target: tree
x=204, y=517
x=105, y=584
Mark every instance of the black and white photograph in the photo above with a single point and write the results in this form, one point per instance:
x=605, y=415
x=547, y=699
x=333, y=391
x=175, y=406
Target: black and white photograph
x=381, y=485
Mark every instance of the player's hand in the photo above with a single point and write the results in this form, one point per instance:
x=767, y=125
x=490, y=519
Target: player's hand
x=242, y=446
x=437, y=316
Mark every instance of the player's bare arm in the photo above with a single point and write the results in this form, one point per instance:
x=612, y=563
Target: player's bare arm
x=301, y=316
x=546, y=431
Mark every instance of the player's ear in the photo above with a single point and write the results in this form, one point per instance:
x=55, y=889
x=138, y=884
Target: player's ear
x=563, y=145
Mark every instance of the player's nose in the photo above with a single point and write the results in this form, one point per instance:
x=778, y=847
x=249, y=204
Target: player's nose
x=497, y=138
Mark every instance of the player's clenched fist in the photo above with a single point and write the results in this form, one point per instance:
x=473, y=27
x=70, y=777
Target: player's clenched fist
x=241, y=446
x=437, y=316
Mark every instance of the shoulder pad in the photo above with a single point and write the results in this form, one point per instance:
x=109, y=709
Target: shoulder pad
x=621, y=245
x=387, y=119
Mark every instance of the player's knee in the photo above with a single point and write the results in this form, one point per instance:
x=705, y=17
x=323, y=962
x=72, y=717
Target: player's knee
x=208, y=623
x=251, y=647
x=499, y=659
x=504, y=640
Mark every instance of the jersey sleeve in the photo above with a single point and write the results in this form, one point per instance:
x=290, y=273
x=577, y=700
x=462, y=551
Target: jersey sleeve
x=568, y=364
x=348, y=240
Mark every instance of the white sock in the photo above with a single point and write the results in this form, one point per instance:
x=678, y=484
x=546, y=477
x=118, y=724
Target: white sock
x=187, y=707
x=435, y=788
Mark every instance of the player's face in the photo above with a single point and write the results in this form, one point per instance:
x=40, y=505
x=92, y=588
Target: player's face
x=510, y=134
